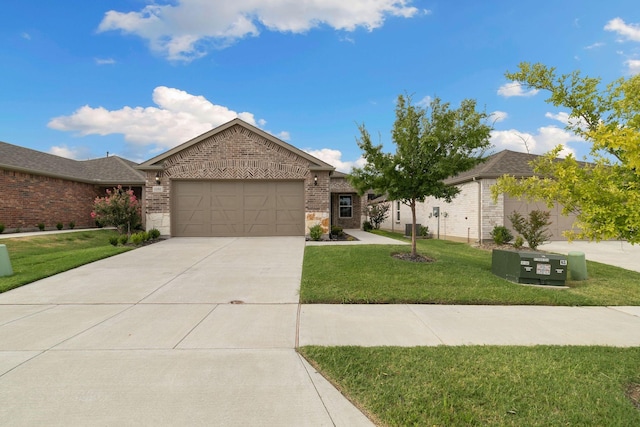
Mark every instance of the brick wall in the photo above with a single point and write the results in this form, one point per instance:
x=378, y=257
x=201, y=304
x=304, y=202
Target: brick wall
x=29, y=199
x=238, y=153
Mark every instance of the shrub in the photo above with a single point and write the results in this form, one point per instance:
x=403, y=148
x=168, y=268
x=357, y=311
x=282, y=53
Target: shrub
x=72, y=225
x=123, y=239
x=315, y=232
x=1, y=227
x=119, y=208
x=535, y=229
x=366, y=226
x=377, y=213
x=518, y=243
x=113, y=240
x=424, y=231
x=137, y=238
x=336, y=230
x=501, y=235
x=154, y=233
x=41, y=226
x=59, y=226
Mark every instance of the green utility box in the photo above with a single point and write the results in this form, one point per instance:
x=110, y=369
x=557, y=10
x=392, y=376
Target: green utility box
x=529, y=267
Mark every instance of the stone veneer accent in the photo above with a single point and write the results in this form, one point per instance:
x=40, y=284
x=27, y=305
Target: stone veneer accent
x=236, y=153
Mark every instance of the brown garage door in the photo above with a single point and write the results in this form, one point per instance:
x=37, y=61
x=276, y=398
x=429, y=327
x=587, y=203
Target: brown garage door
x=237, y=208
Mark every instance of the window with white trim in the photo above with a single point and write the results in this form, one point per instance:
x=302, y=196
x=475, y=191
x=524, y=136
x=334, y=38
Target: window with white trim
x=397, y=211
x=346, y=206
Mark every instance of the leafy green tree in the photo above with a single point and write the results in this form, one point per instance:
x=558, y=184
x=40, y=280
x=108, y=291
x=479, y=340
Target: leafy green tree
x=119, y=208
x=605, y=193
x=432, y=145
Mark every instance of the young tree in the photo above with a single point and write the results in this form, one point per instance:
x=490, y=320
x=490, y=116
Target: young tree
x=377, y=213
x=605, y=193
x=119, y=208
x=431, y=146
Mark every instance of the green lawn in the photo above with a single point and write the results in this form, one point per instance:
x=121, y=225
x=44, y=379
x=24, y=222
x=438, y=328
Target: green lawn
x=34, y=258
x=460, y=274
x=485, y=385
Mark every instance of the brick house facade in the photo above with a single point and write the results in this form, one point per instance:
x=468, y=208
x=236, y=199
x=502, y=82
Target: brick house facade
x=42, y=188
x=233, y=152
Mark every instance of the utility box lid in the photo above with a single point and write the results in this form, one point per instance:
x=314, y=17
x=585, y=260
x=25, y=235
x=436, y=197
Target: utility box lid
x=532, y=268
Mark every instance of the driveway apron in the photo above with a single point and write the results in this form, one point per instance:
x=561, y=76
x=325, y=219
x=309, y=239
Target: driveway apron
x=191, y=331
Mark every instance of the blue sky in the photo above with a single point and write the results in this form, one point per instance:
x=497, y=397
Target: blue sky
x=133, y=77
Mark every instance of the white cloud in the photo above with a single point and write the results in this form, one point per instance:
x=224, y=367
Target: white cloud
x=515, y=89
x=594, y=46
x=105, y=61
x=26, y=36
x=185, y=29
x=334, y=158
x=498, y=116
x=179, y=117
x=70, y=153
x=544, y=140
x=627, y=31
x=425, y=102
x=633, y=66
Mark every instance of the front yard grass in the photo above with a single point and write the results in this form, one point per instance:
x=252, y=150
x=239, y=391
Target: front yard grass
x=486, y=385
x=34, y=258
x=460, y=274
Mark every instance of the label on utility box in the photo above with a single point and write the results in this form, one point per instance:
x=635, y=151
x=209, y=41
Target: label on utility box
x=543, y=269
x=524, y=262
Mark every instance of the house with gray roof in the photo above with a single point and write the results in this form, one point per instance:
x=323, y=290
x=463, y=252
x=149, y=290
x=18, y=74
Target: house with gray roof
x=472, y=214
x=43, y=188
x=234, y=180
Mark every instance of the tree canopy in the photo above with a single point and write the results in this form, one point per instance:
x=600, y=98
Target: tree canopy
x=604, y=193
x=432, y=145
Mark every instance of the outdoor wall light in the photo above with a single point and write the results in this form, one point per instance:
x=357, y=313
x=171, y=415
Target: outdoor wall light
x=158, y=178
x=315, y=180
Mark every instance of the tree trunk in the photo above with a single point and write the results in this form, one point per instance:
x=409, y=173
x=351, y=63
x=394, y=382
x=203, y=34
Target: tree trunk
x=414, y=252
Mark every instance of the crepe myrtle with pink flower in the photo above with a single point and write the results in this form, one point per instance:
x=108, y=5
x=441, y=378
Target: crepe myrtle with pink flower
x=120, y=208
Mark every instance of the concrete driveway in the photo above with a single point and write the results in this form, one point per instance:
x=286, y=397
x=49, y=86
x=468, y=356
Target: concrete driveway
x=182, y=332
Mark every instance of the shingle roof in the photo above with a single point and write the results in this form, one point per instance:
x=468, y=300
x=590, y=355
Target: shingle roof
x=505, y=162
x=107, y=170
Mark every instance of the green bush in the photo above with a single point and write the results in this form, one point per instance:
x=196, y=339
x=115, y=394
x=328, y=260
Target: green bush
x=336, y=230
x=41, y=226
x=123, y=239
x=501, y=235
x=138, y=238
x=315, y=232
x=424, y=231
x=154, y=233
x=535, y=229
x=519, y=243
x=113, y=240
x=59, y=226
x=367, y=226
x=1, y=227
x=72, y=225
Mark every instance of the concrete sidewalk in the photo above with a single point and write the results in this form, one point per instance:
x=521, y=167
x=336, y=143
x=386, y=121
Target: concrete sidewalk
x=618, y=253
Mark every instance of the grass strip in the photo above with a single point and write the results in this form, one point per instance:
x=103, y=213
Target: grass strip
x=37, y=257
x=461, y=274
x=487, y=385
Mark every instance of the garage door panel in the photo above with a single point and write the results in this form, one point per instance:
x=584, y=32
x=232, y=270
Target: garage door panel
x=238, y=208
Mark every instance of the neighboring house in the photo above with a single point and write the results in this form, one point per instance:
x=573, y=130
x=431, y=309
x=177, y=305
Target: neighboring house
x=237, y=180
x=472, y=214
x=42, y=188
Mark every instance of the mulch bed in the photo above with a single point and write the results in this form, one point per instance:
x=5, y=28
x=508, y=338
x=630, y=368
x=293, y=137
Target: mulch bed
x=406, y=256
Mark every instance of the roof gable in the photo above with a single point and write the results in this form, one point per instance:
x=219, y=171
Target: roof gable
x=505, y=162
x=156, y=163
